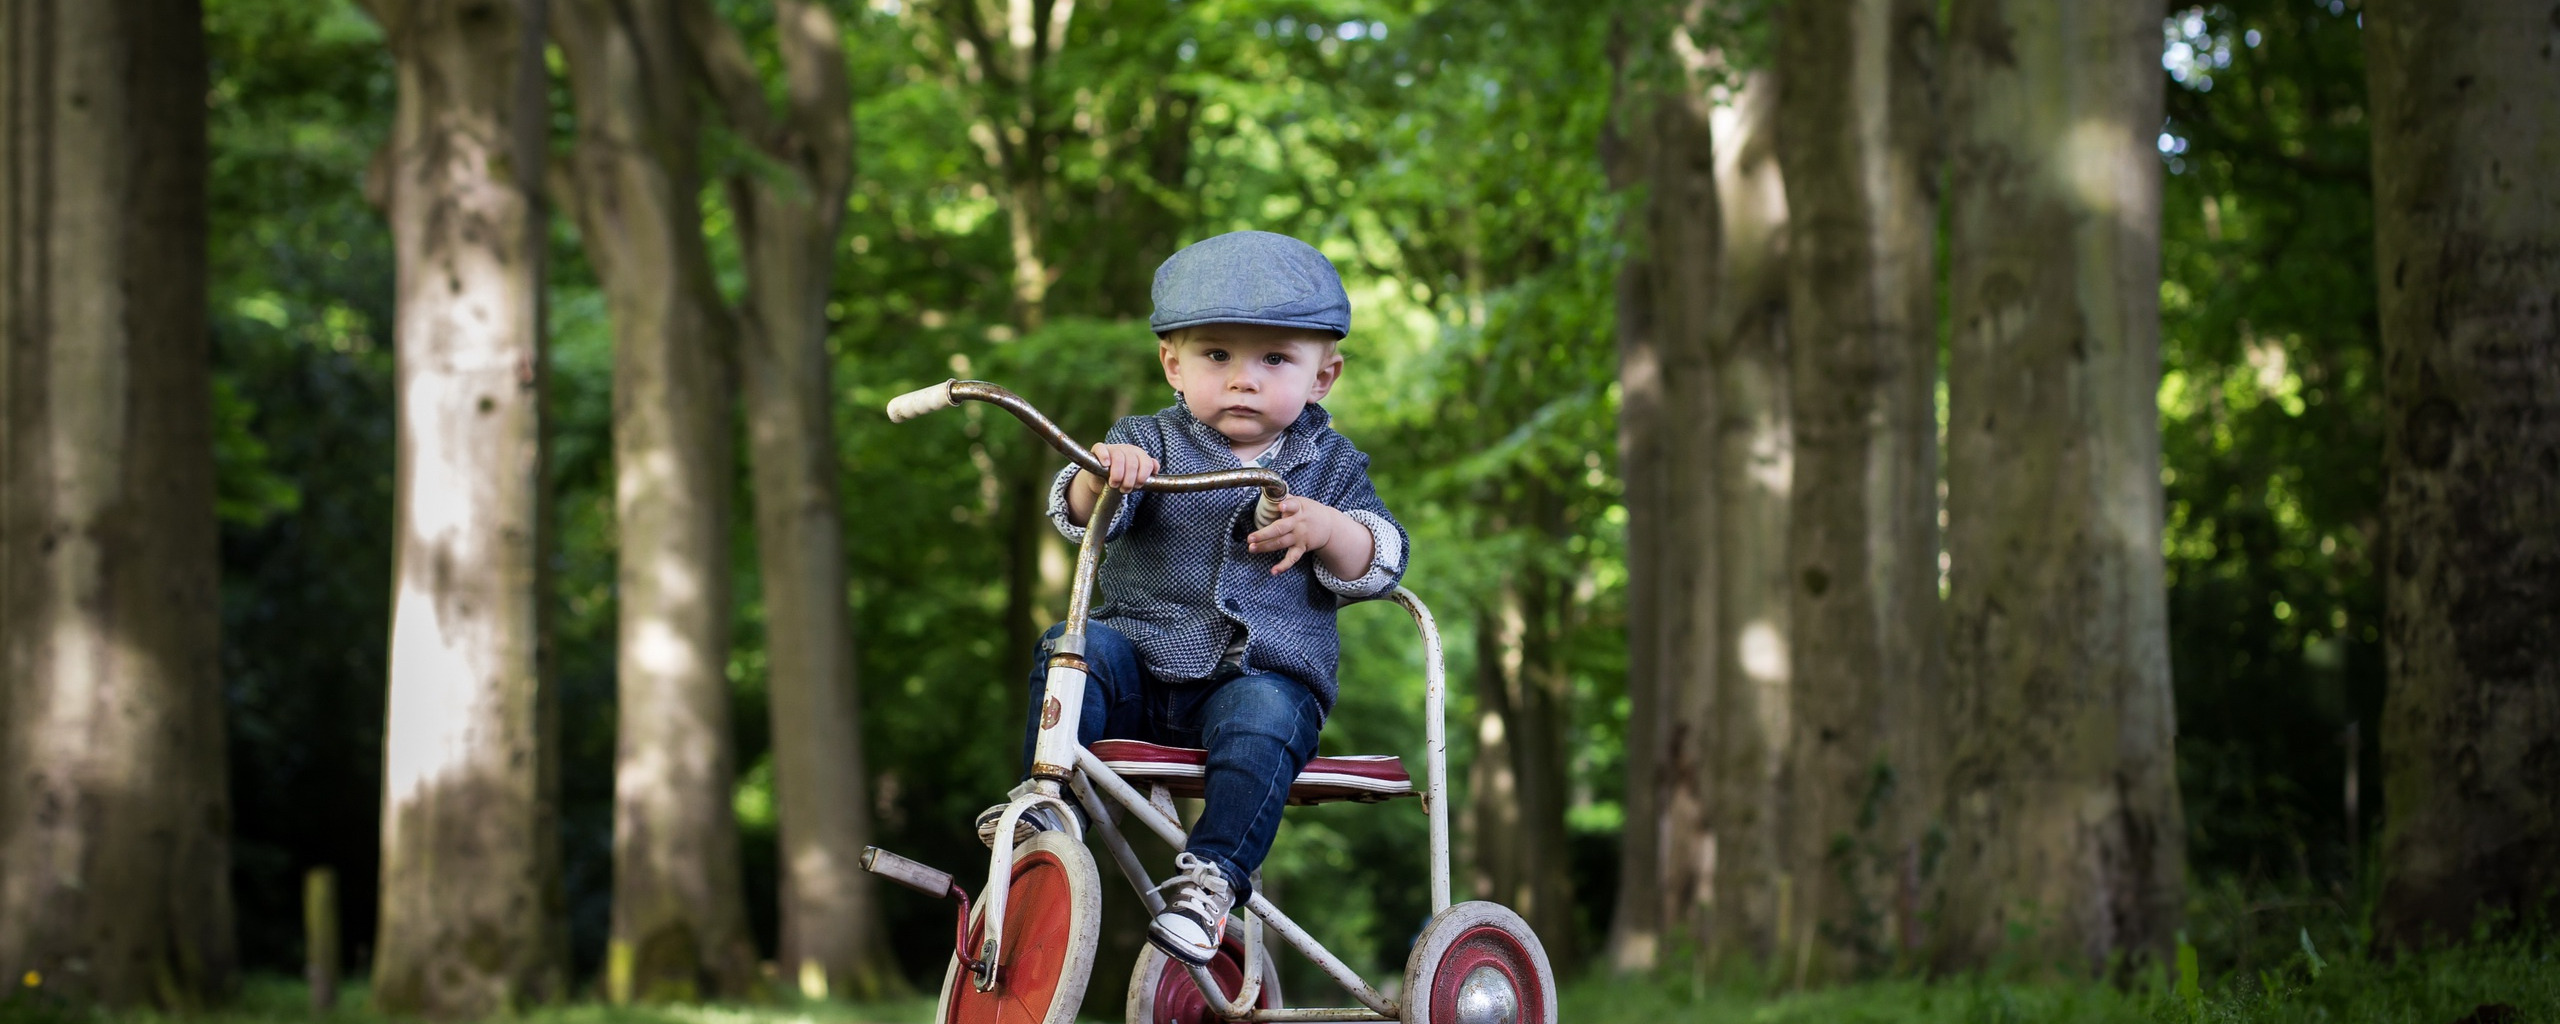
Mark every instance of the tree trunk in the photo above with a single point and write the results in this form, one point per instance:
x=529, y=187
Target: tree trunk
x=472, y=920
x=1665, y=150
x=114, y=816
x=2467, y=245
x=1518, y=782
x=1703, y=377
x=1859, y=122
x=1746, y=885
x=789, y=215
x=679, y=904
x=2062, y=795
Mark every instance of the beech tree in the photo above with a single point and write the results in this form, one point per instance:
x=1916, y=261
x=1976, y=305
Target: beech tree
x=1662, y=145
x=472, y=917
x=1703, y=364
x=790, y=211
x=2466, y=246
x=2061, y=797
x=1862, y=539
x=679, y=905
x=114, y=812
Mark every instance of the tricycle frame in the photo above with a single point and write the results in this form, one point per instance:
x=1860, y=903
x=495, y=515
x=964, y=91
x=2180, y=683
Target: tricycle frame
x=1061, y=764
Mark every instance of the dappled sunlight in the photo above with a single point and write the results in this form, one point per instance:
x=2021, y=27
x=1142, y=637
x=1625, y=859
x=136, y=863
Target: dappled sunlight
x=2098, y=163
x=434, y=712
x=1764, y=652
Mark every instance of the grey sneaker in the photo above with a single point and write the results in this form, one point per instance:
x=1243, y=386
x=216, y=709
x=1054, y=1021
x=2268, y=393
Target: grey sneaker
x=1039, y=818
x=1197, y=899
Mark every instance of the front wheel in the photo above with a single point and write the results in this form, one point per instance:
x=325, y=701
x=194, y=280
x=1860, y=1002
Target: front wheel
x=1162, y=991
x=1478, y=962
x=1052, y=919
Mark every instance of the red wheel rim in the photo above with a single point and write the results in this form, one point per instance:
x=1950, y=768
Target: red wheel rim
x=1178, y=998
x=1039, y=933
x=1487, y=946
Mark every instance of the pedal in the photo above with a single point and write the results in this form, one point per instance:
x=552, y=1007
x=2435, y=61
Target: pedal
x=912, y=874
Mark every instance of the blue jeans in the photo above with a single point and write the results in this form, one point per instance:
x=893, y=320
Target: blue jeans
x=1260, y=730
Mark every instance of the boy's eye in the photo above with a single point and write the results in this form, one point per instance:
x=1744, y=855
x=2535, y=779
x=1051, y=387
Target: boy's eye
x=1273, y=359
x=1216, y=355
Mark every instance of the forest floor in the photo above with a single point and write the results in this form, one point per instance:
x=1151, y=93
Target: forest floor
x=2511, y=983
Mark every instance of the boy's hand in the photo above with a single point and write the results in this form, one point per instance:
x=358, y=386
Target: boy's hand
x=1307, y=525
x=1124, y=466
x=1127, y=464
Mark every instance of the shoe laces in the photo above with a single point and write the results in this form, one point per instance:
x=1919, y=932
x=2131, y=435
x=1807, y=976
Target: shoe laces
x=1209, y=896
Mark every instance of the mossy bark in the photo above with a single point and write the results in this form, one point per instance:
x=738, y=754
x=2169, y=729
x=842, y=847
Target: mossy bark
x=679, y=900
x=2067, y=839
x=114, y=813
x=473, y=921
x=1857, y=131
x=789, y=215
x=2466, y=133
x=1660, y=148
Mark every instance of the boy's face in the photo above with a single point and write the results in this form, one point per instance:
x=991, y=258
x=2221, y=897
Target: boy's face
x=1249, y=381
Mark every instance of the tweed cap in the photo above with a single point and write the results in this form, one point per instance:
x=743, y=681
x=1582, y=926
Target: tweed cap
x=1250, y=277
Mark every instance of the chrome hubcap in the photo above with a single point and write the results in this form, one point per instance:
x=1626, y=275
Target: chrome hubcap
x=1485, y=997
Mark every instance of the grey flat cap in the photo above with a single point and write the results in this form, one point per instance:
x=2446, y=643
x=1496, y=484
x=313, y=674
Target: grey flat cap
x=1250, y=277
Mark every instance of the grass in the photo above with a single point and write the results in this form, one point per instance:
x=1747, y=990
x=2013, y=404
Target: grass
x=2484, y=983
x=273, y=999
x=2451, y=986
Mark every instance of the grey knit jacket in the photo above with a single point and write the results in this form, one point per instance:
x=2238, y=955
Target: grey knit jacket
x=1178, y=580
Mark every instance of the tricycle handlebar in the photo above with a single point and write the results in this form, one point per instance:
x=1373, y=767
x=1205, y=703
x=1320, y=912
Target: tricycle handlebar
x=951, y=393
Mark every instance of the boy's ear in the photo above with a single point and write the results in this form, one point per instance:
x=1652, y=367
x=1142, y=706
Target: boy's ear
x=1327, y=371
x=1168, y=352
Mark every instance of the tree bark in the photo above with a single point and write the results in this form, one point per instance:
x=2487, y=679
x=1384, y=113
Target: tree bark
x=1702, y=373
x=1666, y=295
x=1858, y=131
x=2062, y=795
x=2467, y=246
x=473, y=919
x=114, y=816
x=679, y=903
x=1744, y=884
x=1519, y=777
x=789, y=215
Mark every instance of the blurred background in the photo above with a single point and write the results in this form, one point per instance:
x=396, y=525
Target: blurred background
x=1491, y=183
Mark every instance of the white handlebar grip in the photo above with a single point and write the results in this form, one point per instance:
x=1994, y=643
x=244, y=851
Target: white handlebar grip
x=1265, y=511
x=920, y=401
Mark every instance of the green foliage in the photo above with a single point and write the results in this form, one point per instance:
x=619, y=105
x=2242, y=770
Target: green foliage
x=1446, y=156
x=2271, y=435
x=300, y=312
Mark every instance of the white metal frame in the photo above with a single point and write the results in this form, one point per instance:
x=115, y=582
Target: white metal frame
x=1061, y=763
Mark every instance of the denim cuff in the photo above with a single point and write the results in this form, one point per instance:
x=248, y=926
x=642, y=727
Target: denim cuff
x=1386, y=553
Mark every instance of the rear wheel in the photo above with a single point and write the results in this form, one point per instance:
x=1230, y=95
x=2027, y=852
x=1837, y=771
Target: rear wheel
x=1161, y=990
x=1478, y=963
x=1052, y=917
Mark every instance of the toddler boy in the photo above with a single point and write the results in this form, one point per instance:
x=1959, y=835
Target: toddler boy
x=1212, y=633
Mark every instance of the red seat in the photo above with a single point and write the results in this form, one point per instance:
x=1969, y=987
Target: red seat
x=1367, y=778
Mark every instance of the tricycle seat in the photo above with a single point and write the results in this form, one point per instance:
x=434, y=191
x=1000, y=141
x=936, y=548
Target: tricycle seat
x=1366, y=778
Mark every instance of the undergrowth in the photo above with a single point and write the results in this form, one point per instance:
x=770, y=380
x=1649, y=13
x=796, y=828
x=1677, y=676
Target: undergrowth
x=2513, y=982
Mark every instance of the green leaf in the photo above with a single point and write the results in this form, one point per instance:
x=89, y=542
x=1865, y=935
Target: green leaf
x=2311, y=955
x=2190, y=987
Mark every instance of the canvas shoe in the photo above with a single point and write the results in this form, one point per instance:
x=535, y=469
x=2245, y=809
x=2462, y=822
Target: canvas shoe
x=1039, y=818
x=1197, y=899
